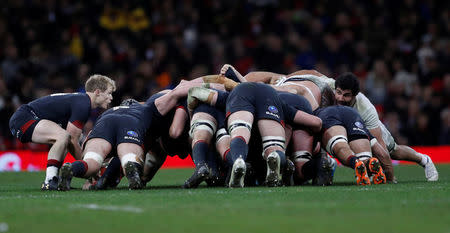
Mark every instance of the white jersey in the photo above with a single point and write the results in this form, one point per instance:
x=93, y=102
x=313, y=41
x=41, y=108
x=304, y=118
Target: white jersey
x=367, y=111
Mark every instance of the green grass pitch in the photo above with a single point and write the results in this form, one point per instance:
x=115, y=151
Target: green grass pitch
x=412, y=205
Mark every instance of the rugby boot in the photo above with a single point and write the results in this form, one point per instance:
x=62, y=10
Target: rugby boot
x=361, y=174
x=376, y=171
x=325, y=171
x=65, y=177
x=288, y=173
x=430, y=170
x=237, y=174
x=201, y=173
x=50, y=185
x=273, y=176
x=132, y=172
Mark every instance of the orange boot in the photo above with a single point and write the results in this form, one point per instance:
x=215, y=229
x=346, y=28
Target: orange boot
x=375, y=168
x=361, y=174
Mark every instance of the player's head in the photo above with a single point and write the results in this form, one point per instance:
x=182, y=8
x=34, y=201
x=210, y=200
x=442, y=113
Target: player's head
x=129, y=102
x=347, y=87
x=101, y=88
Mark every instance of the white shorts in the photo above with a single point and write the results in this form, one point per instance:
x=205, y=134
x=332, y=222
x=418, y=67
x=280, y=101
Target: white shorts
x=388, y=139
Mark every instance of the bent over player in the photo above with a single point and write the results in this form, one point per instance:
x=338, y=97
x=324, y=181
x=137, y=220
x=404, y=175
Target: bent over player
x=58, y=119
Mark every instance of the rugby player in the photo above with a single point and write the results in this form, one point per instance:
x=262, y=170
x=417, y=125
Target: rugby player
x=345, y=137
x=255, y=101
x=347, y=93
x=58, y=119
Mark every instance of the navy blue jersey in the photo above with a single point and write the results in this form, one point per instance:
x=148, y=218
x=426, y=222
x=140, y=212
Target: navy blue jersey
x=62, y=108
x=346, y=117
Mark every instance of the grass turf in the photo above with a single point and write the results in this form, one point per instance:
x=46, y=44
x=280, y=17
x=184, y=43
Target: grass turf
x=412, y=205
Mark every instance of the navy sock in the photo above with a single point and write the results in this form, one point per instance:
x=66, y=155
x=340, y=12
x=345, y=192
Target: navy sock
x=308, y=170
x=351, y=161
x=231, y=75
x=199, y=152
x=238, y=148
x=221, y=99
x=79, y=168
x=282, y=159
x=227, y=158
x=211, y=160
x=113, y=169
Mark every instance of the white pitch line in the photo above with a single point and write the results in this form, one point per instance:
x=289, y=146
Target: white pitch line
x=131, y=209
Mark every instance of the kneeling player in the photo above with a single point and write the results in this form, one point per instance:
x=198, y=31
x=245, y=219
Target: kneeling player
x=347, y=139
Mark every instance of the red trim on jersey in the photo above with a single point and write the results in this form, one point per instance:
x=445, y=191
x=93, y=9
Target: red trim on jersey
x=182, y=107
x=78, y=124
x=26, y=125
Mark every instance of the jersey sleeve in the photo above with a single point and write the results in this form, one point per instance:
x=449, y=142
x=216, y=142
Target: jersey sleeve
x=367, y=112
x=80, y=112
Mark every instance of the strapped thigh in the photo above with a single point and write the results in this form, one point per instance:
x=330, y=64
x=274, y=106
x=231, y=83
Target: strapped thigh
x=202, y=124
x=221, y=134
x=239, y=124
x=302, y=155
x=269, y=141
x=333, y=141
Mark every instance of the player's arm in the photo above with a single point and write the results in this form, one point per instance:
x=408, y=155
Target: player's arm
x=74, y=146
x=230, y=72
x=178, y=122
x=308, y=120
x=382, y=155
x=376, y=132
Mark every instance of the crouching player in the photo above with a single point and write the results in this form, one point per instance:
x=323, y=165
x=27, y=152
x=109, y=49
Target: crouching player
x=58, y=120
x=346, y=138
x=121, y=128
x=256, y=100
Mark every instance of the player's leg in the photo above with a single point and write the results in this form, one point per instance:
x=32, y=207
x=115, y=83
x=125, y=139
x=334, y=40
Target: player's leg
x=203, y=127
x=335, y=141
x=403, y=152
x=301, y=144
x=239, y=127
x=95, y=151
x=273, y=140
x=48, y=132
x=131, y=157
x=153, y=162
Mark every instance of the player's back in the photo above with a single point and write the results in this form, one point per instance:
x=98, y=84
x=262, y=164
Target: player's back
x=62, y=107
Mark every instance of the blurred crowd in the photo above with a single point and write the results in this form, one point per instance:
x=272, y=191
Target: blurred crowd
x=400, y=50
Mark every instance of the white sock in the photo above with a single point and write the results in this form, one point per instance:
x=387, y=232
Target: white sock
x=51, y=172
x=424, y=160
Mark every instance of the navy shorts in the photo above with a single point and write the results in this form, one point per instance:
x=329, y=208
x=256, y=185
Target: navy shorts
x=346, y=117
x=218, y=114
x=23, y=122
x=259, y=99
x=118, y=129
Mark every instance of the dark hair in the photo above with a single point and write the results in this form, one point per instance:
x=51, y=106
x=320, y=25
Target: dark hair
x=348, y=81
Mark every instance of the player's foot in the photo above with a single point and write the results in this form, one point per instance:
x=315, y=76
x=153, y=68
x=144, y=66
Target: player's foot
x=288, y=174
x=237, y=174
x=375, y=169
x=65, y=177
x=325, y=171
x=361, y=174
x=201, y=173
x=50, y=185
x=430, y=170
x=273, y=177
x=132, y=172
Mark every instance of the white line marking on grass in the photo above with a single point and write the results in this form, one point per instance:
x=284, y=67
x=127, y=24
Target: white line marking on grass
x=131, y=209
x=4, y=227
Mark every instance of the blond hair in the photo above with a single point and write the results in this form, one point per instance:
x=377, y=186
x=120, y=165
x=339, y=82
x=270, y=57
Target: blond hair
x=100, y=82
